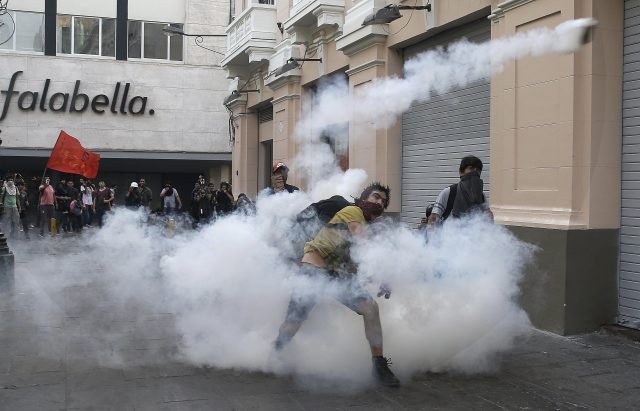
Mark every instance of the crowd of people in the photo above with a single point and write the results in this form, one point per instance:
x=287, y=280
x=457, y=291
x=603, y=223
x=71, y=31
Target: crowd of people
x=71, y=206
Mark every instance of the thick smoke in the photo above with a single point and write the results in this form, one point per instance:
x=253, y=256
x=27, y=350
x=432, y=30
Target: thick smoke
x=224, y=288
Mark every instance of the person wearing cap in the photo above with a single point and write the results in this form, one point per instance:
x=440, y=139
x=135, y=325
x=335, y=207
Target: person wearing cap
x=132, y=198
x=279, y=179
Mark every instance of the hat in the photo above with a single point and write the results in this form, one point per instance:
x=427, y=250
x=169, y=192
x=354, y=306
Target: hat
x=278, y=165
x=134, y=184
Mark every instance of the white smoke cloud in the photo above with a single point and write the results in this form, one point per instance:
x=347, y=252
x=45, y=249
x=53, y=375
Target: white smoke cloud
x=226, y=287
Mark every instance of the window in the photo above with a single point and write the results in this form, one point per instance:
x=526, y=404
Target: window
x=28, y=34
x=94, y=36
x=148, y=41
x=134, y=42
x=86, y=35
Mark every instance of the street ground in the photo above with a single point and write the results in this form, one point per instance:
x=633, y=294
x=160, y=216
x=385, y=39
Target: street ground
x=49, y=360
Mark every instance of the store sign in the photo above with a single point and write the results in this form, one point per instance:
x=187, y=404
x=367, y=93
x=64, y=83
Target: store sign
x=75, y=102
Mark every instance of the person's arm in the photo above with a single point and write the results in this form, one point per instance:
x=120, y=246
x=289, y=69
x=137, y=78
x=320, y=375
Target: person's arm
x=356, y=229
x=439, y=207
x=178, y=200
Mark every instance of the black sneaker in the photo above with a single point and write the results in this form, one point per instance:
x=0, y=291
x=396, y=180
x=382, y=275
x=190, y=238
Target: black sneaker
x=382, y=372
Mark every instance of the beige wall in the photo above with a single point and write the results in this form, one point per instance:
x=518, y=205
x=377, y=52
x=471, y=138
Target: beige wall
x=555, y=123
x=555, y=120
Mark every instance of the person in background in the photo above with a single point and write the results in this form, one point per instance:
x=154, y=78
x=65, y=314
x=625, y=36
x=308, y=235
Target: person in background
x=170, y=199
x=102, y=202
x=47, y=203
x=32, y=189
x=114, y=190
x=86, y=195
x=23, y=202
x=74, y=214
x=244, y=205
x=464, y=197
x=279, y=179
x=11, y=204
x=145, y=194
x=211, y=195
x=224, y=199
x=63, y=201
x=132, y=198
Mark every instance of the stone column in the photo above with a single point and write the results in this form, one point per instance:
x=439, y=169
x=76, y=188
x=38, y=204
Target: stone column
x=244, y=172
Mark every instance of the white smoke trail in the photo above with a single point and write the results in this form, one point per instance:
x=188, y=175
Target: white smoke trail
x=435, y=72
x=227, y=286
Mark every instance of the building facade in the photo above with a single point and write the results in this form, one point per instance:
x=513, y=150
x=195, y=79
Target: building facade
x=557, y=133
x=105, y=72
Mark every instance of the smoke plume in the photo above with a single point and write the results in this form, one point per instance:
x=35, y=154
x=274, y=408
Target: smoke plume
x=224, y=288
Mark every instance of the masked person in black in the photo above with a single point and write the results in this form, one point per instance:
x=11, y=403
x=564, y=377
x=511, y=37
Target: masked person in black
x=464, y=197
x=224, y=199
x=327, y=257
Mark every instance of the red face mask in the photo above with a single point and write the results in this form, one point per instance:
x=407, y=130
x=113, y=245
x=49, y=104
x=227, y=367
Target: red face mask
x=370, y=210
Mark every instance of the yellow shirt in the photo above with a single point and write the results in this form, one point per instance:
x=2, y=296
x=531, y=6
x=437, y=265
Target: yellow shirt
x=333, y=241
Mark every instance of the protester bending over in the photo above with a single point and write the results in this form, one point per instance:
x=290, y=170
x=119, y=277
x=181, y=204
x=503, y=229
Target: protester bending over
x=327, y=257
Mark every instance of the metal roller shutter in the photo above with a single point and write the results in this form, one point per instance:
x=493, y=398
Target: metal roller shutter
x=629, y=269
x=436, y=134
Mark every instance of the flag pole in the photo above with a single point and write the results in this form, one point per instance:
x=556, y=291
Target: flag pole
x=43, y=174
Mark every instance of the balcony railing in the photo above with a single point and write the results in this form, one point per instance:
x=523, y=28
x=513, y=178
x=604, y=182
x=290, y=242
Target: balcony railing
x=254, y=28
x=316, y=13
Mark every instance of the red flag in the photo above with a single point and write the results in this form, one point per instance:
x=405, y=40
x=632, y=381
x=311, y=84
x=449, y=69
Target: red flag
x=69, y=156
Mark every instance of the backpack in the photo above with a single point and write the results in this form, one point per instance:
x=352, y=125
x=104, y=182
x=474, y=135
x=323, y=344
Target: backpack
x=453, y=191
x=310, y=221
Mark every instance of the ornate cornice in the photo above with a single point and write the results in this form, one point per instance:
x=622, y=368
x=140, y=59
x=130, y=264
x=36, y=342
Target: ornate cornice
x=506, y=6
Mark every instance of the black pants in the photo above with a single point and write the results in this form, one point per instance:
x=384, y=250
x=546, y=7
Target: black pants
x=25, y=223
x=46, y=214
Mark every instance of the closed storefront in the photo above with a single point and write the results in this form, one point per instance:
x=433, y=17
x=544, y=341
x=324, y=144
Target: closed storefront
x=437, y=133
x=629, y=266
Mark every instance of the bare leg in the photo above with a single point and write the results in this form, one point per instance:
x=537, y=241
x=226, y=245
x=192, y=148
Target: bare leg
x=288, y=329
x=297, y=312
x=372, y=326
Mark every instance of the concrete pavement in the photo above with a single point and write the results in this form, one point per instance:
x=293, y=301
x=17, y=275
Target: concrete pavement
x=48, y=361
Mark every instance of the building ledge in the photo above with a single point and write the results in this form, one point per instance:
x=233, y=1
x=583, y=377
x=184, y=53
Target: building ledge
x=504, y=7
x=308, y=16
x=357, y=37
